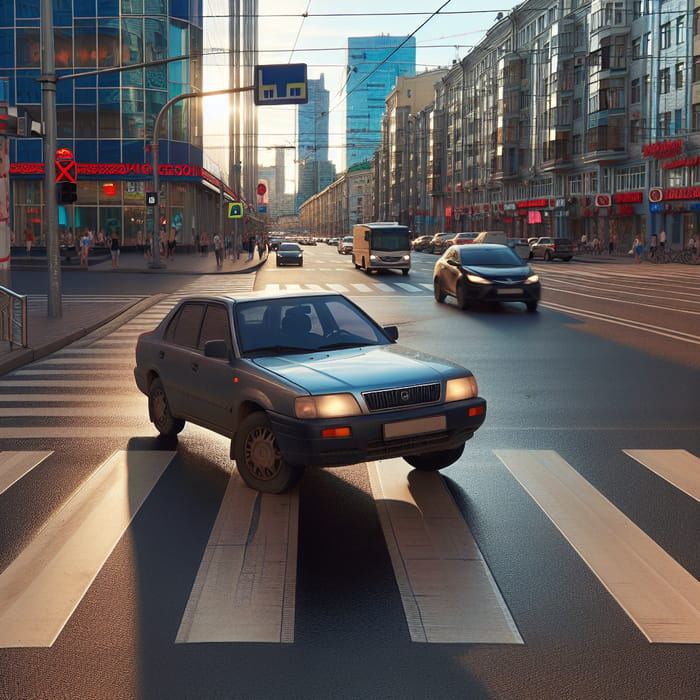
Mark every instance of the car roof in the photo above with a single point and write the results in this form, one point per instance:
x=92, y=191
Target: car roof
x=259, y=296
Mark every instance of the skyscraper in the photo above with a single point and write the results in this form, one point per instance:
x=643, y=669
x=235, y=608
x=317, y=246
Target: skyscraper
x=373, y=64
x=315, y=170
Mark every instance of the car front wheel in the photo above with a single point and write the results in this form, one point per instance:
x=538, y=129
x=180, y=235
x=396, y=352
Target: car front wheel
x=258, y=458
x=159, y=411
x=432, y=461
x=437, y=291
x=462, y=298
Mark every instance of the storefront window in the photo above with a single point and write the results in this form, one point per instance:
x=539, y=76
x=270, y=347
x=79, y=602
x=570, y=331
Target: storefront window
x=87, y=191
x=28, y=47
x=134, y=221
x=84, y=220
x=110, y=221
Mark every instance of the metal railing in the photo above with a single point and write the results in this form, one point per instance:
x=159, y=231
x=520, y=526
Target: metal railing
x=13, y=318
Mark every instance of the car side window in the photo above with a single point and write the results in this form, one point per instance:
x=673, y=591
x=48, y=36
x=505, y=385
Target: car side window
x=184, y=328
x=215, y=325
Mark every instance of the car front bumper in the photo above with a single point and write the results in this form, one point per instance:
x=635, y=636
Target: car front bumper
x=378, y=435
x=494, y=293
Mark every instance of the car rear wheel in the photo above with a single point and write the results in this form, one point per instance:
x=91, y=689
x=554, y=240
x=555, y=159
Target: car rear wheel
x=547, y=256
x=432, y=461
x=462, y=299
x=258, y=458
x=566, y=259
x=437, y=291
x=159, y=411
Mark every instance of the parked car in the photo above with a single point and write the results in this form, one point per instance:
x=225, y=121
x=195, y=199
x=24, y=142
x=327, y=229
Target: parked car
x=303, y=380
x=345, y=245
x=421, y=243
x=460, y=239
x=520, y=246
x=437, y=242
x=485, y=272
x=552, y=249
x=275, y=242
x=289, y=254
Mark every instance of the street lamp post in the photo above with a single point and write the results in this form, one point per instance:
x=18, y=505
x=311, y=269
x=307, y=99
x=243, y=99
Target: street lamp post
x=155, y=147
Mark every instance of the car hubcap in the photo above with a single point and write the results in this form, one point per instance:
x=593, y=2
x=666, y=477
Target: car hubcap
x=261, y=454
x=160, y=408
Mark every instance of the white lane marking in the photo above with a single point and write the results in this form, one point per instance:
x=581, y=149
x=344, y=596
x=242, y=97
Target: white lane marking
x=408, y=287
x=337, y=287
x=272, y=288
x=678, y=467
x=39, y=370
x=447, y=590
x=42, y=587
x=384, y=287
x=77, y=432
x=125, y=410
x=82, y=384
x=246, y=584
x=637, y=325
x=658, y=595
x=361, y=287
x=14, y=465
x=62, y=397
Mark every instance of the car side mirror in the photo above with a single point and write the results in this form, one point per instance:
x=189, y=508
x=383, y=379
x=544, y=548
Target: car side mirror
x=453, y=262
x=218, y=349
x=392, y=332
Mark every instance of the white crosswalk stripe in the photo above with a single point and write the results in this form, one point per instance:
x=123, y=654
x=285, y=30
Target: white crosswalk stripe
x=245, y=588
x=358, y=287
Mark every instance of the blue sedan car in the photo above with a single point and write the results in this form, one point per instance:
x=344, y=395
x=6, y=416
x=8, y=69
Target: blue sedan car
x=304, y=380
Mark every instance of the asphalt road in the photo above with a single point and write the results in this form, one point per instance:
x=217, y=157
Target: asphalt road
x=557, y=558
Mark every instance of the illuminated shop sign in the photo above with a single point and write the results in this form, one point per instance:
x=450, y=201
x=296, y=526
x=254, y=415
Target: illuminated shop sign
x=128, y=170
x=657, y=194
x=535, y=204
x=628, y=198
x=681, y=163
x=663, y=149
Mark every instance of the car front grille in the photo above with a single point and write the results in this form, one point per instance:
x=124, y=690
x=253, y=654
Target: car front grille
x=402, y=398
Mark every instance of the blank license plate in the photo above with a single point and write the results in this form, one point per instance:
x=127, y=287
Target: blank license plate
x=433, y=424
x=509, y=291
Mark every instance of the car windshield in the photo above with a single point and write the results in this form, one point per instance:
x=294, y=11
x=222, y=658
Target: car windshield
x=501, y=256
x=289, y=246
x=302, y=324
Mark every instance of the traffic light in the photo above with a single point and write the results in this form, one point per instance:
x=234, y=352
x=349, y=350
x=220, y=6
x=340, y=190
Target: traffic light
x=66, y=192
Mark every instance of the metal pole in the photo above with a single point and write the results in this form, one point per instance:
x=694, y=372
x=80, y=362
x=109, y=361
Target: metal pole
x=48, y=102
x=155, y=148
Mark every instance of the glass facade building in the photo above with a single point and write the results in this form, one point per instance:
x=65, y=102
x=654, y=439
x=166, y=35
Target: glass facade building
x=373, y=64
x=107, y=118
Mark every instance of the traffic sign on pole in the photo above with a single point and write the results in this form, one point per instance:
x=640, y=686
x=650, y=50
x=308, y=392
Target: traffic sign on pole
x=283, y=84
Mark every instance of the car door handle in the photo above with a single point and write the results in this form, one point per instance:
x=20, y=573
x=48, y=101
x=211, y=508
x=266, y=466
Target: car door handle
x=194, y=367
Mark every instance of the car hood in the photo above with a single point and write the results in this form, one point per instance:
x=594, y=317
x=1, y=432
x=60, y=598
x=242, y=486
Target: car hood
x=359, y=369
x=490, y=272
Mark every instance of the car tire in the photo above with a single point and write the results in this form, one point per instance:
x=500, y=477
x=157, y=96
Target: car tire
x=531, y=306
x=437, y=291
x=548, y=256
x=566, y=259
x=159, y=411
x=404, y=272
x=432, y=461
x=258, y=459
x=462, y=299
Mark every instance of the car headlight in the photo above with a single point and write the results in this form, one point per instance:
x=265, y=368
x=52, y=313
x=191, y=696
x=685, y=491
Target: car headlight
x=461, y=389
x=532, y=279
x=477, y=279
x=326, y=406
x=406, y=258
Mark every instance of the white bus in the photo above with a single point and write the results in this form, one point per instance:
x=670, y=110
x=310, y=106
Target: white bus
x=381, y=245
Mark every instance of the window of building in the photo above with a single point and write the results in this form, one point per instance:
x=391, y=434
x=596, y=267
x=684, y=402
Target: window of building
x=664, y=80
x=638, y=9
x=636, y=91
x=680, y=30
x=635, y=133
x=665, y=35
x=629, y=179
x=637, y=48
x=680, y=72
x=664, y=127
x=696, y=117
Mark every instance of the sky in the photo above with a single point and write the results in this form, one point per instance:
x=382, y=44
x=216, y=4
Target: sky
x=319, y=39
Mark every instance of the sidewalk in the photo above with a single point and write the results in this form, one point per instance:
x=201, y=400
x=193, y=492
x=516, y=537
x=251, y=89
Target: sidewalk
x=46, y=335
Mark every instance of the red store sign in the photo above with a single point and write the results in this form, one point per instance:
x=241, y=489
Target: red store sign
x=628, y=198
x=663, y=149
x=657, y=194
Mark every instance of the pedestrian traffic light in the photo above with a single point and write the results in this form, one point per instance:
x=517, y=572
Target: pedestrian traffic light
x=66, y=192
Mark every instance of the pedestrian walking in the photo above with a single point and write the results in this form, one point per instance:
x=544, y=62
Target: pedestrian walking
x=114, y=248
x=662, y=240
x=218, y=250
x=172, y=242
x=653, y=245
x=84, y=247
x=149, y=246
x=29, y=240
x=204, y=244
x=69, y=245
x=693, y=246
x=612, y=244
x=638, y=249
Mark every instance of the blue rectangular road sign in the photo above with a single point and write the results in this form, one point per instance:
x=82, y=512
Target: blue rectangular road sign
x=283, y=84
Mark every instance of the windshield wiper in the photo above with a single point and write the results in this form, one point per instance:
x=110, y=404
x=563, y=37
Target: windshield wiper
x=279, y=350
